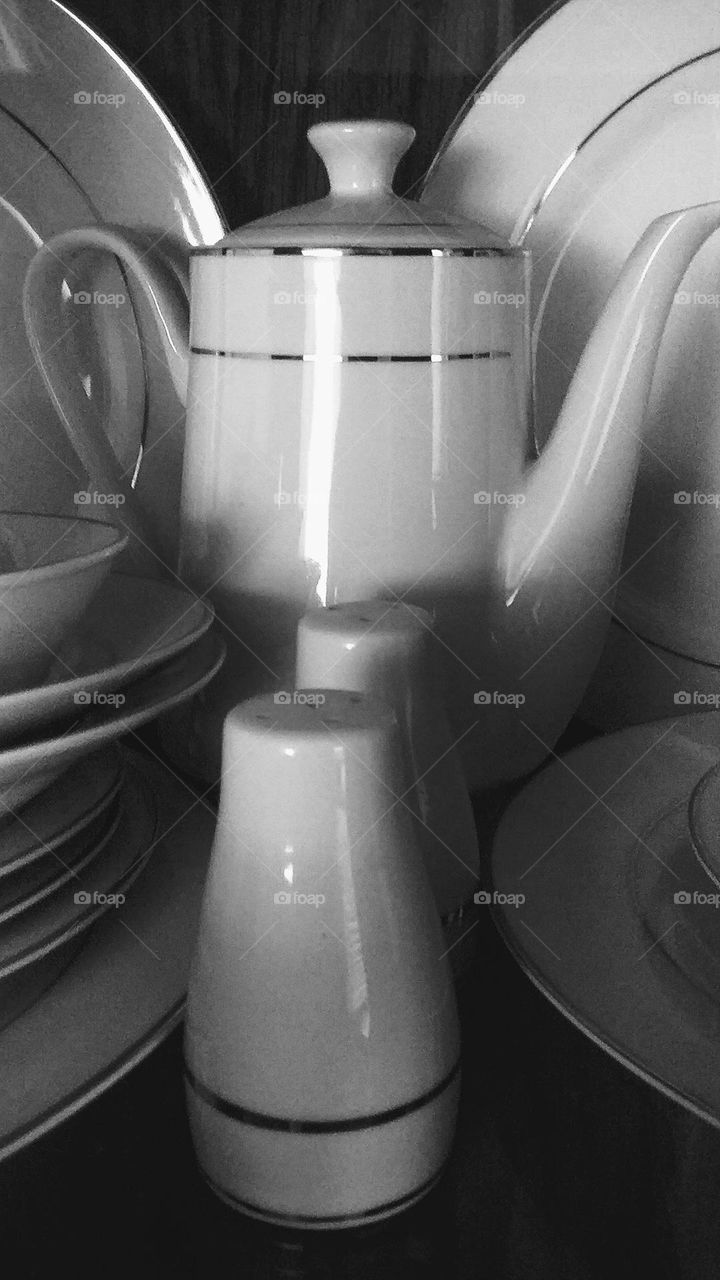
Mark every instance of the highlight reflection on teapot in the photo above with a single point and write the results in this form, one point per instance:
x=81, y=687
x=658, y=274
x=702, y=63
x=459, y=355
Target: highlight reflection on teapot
x=357, y=379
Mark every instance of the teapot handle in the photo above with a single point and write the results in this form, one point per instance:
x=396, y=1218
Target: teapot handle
x=166, y=287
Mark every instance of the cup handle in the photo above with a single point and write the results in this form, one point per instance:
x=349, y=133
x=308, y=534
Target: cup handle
x=166, y=287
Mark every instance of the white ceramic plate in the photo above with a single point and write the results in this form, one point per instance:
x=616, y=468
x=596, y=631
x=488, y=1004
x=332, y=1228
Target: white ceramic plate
x=598, y=844
x=42, y=879
x=60, y=916
x=60, y=813
x=83, y=141
x=133, y=625
x=123, y=993
x=704, y=820
x=27, y=769
x=606, y=117
x=36, y=948
x=518, y=131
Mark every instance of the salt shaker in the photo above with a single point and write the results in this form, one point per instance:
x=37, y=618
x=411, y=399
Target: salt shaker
x=386, y=649
x=321, y=1045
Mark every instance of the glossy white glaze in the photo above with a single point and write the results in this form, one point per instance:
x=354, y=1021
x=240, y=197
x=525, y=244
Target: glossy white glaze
x=320, y=991
x=51, y=569
x=83, y=141
x=628, y=102
x=389, y=651
x=321, y=475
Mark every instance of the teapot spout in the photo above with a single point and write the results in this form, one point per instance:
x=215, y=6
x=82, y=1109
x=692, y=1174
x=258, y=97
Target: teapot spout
x=561, y=546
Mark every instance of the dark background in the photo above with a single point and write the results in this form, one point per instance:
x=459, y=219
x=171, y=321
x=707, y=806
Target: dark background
x=217, y=66
x=566, y=1167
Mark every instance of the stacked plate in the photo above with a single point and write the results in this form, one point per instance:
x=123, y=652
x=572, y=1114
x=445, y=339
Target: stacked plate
x=83, y=822
x=606, y=871
x=81, y=815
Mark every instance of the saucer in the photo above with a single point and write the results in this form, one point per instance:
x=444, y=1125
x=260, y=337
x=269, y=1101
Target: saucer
x=704, y=820
x=36, y=947
x=60, y=813
x=46, y=876
x=125, y=990
x=132, y=626
x=72, y=908
x=27, y=769
x=599, y=844
x=637, y=680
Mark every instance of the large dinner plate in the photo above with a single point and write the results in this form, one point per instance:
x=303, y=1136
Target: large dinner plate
x=604, y=118
x=602, y=901
x=126, y=989
x=83, y=141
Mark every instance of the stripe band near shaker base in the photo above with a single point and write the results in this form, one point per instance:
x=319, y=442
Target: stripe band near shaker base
x=341, y=359
x=348, y=250
x=309, y=1219
x=285, y=1125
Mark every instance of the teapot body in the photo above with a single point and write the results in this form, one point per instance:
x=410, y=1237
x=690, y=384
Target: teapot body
x=357, y=427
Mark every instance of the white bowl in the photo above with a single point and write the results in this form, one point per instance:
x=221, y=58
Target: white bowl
x=50, y=568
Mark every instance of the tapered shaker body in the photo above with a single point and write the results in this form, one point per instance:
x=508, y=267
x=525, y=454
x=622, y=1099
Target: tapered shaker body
x=389, y=650
x=321, y=1036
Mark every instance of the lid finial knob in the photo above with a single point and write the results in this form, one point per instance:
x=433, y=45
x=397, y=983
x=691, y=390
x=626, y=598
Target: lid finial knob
x=361, y=156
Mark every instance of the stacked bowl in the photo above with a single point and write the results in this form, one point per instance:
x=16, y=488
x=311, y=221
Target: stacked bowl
x=87, y=656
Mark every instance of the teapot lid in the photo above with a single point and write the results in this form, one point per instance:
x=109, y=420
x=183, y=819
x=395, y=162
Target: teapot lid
x=361, y=211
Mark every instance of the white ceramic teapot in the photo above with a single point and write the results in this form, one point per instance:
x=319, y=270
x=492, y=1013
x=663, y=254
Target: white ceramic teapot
x=358, y=404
